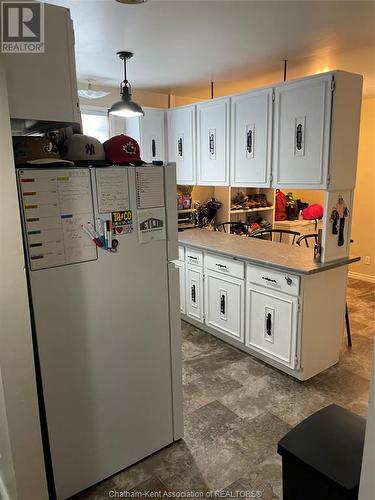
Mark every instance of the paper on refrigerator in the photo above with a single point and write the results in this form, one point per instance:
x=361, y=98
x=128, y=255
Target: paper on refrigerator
x=151, y=225
x=112, y=189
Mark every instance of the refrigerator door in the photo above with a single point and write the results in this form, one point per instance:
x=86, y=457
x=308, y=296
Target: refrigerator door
x=104, y=340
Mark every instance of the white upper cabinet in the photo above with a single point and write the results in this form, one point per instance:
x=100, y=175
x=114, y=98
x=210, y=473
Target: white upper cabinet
x=149, y=131
x=251, y=136
x=181, y=143
x=43, y=87
x=302, y=133
x=213, y=142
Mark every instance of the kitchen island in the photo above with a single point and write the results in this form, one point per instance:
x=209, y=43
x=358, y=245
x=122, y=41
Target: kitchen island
x=269, y=299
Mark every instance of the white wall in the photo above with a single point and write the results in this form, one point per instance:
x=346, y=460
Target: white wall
x=16, y=353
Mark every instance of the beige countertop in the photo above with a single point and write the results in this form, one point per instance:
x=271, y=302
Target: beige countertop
x=266, y=253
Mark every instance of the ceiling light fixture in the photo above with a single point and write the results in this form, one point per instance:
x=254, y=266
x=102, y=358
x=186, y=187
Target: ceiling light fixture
x=89, y=93
x=126, y=107
x=132, y=2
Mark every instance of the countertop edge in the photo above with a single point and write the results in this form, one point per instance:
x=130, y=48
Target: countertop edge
x=326, y=266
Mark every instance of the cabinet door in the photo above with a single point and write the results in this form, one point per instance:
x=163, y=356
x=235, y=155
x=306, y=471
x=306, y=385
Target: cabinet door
x=181, y=272
x=271, y=324
x=181, y=143
x=51, y=76
x=224, y=304
x=149, y=132
x=194, y=293
x=251, y=135
x=302, y=133
x=213, y=142
x=153, y=135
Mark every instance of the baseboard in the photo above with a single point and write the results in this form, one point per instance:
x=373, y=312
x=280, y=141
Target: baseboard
x=3, y=491
x=360, y=276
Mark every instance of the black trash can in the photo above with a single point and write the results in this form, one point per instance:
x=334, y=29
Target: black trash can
x=322, y=456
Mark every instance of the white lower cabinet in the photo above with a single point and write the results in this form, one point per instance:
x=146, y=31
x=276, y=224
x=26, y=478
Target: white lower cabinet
x=271, y=324
x=181, y=272
x=194, y=292
x=224, y=304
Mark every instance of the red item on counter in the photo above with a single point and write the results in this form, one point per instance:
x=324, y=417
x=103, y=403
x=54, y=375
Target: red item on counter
x=314, y=211
x=280, y=209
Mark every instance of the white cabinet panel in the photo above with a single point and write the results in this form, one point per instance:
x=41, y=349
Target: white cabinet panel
x=224, y=304
x=213, y=142
x=149, y=131
x=50, y=76
x=194, y=292
x=302, y=133
x=181, y=272
x=181, y=143
x=271, y=324
x=251, y=136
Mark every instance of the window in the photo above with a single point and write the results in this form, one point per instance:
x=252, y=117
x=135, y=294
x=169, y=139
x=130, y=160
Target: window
x=95, y=123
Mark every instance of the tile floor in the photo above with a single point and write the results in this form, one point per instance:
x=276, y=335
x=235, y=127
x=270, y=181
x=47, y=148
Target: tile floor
x=237, y=408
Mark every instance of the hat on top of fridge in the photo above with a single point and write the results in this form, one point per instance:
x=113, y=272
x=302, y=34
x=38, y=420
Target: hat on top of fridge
x=84, y=150
x=123, y=150
x=37, y=151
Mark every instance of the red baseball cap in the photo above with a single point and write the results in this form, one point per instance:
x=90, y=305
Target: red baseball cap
x=314, y=211
x=123, y=150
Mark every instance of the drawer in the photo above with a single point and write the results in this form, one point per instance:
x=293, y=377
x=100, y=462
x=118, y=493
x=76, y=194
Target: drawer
x=223, y=265
x=193, y=256
x=181, y=253
x=275, y=280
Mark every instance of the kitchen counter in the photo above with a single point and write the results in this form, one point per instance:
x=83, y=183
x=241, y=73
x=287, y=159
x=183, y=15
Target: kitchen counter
x=266, y=253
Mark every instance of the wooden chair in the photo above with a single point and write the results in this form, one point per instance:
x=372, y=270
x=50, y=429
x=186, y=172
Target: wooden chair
x=270, y=232
x=314, y=236
x=306, y=237
x=233, y=228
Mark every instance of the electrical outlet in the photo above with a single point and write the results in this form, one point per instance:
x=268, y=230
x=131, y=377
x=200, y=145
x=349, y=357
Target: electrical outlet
x=367, y=260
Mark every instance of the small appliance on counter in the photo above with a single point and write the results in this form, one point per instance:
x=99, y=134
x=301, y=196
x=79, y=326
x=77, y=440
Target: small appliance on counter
x=187, y=218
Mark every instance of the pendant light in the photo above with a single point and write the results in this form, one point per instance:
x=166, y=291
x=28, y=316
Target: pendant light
x=126, y=107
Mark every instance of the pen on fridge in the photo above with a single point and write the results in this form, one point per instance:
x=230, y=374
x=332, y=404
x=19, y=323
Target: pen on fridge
x=100, y=227
x=94, y=232
x=109, y=233
x=90, y=235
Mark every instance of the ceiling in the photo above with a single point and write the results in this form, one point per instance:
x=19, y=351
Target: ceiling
x=180, y=43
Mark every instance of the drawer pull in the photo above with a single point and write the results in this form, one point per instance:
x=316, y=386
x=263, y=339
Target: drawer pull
x=269, y=324
x=153, y=147
x=222, y=266
x=180, y=147
x=288, y=280
x=192, y=257
x=222, y=304
x=269, y=279
x=193, y=294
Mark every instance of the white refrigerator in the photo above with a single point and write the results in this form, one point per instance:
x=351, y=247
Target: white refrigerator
x=105, y=318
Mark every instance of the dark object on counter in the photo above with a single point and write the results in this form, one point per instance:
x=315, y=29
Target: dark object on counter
x=322, y=456
x=301, y=205
x=207, y=212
